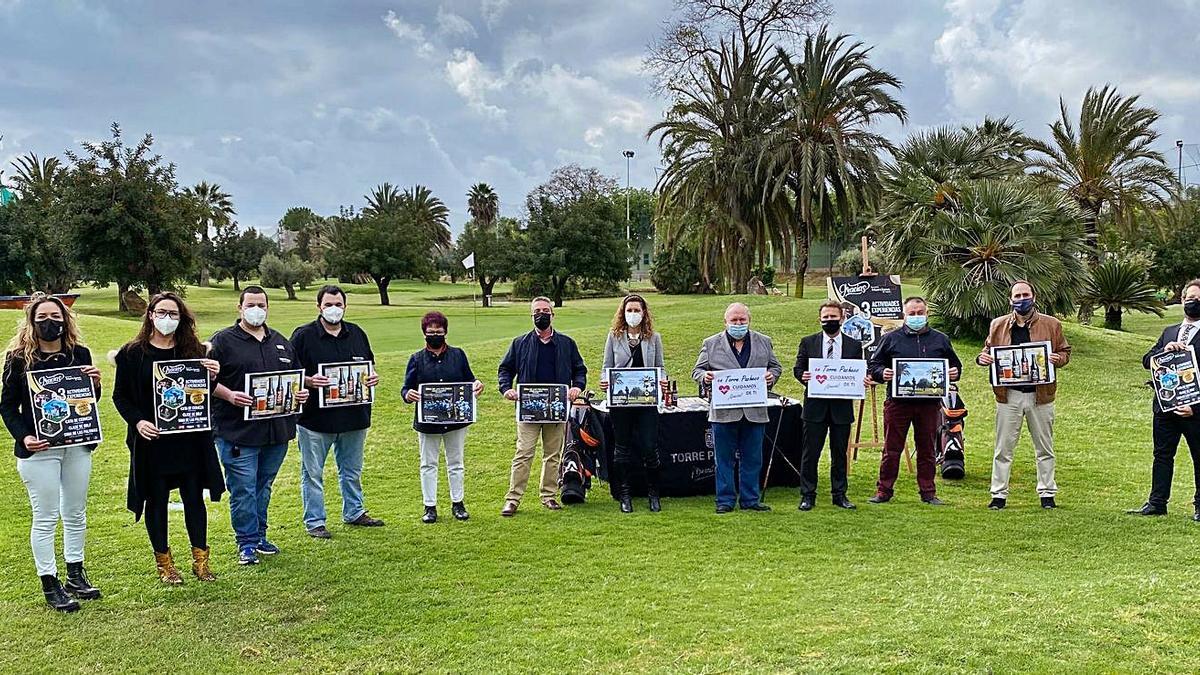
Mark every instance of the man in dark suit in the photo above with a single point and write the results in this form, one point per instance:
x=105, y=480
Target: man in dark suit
x=825, y=415
x=1169, y=426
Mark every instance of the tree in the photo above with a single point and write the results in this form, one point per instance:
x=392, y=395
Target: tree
x=311, y=233
x=214, y=209
x=578, y=240
x=1176, y=258
x=384, y=245
x=483, y=204
x=237, y=254
x=568, y=184
x=286, y=273
x=675, y=271
x=428, y=215
x=821, y=149
x=494, y=247
x=130, y=222
x=1121, y=285
x=37, y=228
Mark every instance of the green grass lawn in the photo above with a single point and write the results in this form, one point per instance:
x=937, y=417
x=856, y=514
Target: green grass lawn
x=900, y=586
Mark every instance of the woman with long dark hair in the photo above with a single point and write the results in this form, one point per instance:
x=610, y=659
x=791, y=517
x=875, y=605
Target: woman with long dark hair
x=158, y=464
x=633, y=343
x=56, y=478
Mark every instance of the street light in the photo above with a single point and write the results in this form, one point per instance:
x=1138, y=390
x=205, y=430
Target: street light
x=628, y=156
x=1179, y=145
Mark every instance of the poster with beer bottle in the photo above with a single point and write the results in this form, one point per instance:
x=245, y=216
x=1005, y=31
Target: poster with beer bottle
x=1023, y=365
x=347, y=384
x=181, y=396
x=63, y=401
x=273, y=394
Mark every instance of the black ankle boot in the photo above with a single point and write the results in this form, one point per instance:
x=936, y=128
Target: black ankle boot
x=78, y=584
x=56, y=596
x=624, y=491
x=652, y=488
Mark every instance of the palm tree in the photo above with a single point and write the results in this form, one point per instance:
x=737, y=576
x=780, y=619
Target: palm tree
x=428, y=214
x=383, y=199
x=483, y=204
x=38, y=178
x=821, y=150
x=1121, y=285
x=1108, y=164
x=215, y=208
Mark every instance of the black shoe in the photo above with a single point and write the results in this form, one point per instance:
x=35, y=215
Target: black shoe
x=1048, y=503
x=806, y=503
x=756, y=507
x=722, y=508
x=655, y=502
x=1148, y=509
x=842, y=503
x=320, y=532
x=56, y=595
x=1196, y=516
x=430, y=516
x=78, y=584
x=652, y=495
x=365, y=520
x=879, y=499
x=626, y=503
x=459, y=511
x=934, y=501
x=997, y=503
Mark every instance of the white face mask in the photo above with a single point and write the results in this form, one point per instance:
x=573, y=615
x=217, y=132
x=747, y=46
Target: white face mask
x=332, y=314
x=166, y=325
x=633, y=319
x=255, y=316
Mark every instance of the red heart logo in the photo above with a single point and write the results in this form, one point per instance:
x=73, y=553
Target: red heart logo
x=724, y=388
x=821, y=378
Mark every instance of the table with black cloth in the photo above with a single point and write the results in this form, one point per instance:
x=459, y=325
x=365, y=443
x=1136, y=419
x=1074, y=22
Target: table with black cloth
x=685, y=449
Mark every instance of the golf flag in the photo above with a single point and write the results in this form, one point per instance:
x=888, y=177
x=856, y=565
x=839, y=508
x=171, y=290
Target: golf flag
x=469, y=262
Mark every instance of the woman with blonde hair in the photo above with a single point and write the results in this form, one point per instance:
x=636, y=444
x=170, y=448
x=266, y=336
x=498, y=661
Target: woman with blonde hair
x=633, y=343
x=56, y=478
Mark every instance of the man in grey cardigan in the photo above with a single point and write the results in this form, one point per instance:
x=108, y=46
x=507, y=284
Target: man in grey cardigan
x=737, y=432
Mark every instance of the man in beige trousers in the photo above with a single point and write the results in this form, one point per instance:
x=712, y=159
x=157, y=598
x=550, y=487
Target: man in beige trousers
x=1031, y=404
x=541, y=356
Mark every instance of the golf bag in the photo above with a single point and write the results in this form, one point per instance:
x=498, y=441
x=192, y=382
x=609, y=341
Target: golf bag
x=585, y=438
x=949, y=453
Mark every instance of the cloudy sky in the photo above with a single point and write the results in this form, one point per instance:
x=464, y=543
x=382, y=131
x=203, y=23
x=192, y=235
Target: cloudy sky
x=312, y=103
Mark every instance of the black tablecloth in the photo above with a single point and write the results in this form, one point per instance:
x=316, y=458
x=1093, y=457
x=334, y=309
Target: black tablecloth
x=685, y=449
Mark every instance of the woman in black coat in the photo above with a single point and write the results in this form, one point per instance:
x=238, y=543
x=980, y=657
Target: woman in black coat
x=185, y=461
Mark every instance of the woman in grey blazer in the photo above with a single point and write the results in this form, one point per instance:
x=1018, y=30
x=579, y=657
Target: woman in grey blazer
x=633, y=343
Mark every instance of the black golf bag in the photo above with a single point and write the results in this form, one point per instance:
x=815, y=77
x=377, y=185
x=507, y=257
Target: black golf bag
x=949, y=453
x=585, y=438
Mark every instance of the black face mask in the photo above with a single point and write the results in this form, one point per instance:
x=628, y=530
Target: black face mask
x=435, y=341
x=49, y=329
x=541, y=321
x=1192, y=309
x=831, y=327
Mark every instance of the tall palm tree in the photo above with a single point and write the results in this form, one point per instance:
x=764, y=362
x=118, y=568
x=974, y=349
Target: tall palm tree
x=384, y=198
x=428, y=214
x=215, y=210
x=38, y=178
x=483, y=204
x=821, y=149
x=1107, y=164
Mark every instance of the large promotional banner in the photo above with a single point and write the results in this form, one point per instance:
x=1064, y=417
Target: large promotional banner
x=873, y=306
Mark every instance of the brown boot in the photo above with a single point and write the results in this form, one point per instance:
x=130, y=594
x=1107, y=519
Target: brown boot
x=200, y=565
x=166, y=569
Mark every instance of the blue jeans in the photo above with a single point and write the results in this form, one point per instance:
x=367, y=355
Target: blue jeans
x=348, y=454
x=742, y=440
x=248, y=477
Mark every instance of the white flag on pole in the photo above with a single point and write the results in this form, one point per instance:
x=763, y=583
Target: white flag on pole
x=469, y=262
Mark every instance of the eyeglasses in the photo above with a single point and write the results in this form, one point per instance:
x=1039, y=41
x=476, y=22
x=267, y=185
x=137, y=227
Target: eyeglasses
x=164, y=314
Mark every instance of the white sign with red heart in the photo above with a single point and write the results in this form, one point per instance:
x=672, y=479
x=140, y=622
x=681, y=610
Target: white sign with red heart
x=740, y=388
x=837, y=378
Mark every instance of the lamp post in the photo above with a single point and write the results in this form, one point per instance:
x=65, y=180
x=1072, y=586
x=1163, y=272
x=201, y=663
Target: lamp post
x=1179, y=146
x=628, y=156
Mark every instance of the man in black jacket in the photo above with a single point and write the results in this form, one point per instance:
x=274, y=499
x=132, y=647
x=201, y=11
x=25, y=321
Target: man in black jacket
x=825, y=415
x=1169, y=426
x=541, y=356
x=914, y=340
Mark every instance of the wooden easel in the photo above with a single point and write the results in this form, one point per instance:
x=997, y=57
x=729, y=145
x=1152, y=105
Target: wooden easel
x=852, y=449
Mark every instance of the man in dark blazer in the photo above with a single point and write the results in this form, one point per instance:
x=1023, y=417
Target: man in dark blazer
x=825, y=415
x=1182, y=422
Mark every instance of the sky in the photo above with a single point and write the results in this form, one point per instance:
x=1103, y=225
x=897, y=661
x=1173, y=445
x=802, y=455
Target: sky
x=314, y=103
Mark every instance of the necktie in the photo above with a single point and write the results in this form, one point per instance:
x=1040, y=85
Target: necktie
x=1186, y=333
x=829, y=350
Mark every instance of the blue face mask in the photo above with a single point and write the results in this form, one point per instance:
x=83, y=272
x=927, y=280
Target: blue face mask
x=1022, y=306
x=916, y=321
x=737, y=331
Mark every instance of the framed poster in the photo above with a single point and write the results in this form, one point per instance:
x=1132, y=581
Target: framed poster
x=63, y=401
x=274, y=394
x=347, y=384
x=446, y=403
x=739, y=388
x=872, y=305
x=542, y=403
x=920, y=378
x=1175, y=380
x=837, y=378
x=182, y=398
x=634, y=387
x=1022, y=365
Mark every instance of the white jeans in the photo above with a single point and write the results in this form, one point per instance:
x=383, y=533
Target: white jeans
x=454, y=441
x=57, y=481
